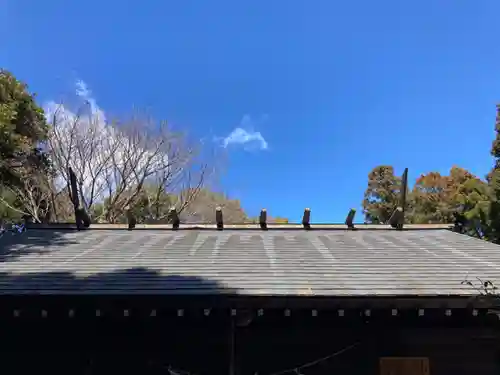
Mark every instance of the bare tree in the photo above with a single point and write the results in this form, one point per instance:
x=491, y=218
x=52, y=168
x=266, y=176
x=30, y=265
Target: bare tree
x=152, y=154
x=33, y=195
x=114, y=162
x=84, y=143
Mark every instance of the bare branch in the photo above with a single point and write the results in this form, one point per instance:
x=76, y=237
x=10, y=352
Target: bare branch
x=118, y=164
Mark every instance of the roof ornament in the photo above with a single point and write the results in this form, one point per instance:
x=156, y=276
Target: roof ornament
x=306, y=219
x=218, y=218
x=131, y=220
x=263, y=219
x=82, y=218
x=174, y=218
x=397, y=218
x=349, y=221
x=460, y=222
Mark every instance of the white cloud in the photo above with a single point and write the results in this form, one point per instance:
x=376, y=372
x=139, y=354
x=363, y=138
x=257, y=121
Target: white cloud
x=83, y=92
x=243, y=135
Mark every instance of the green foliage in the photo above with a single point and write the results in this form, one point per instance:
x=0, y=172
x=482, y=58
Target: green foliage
x=7, y=213
x=495, y=148
x=472, y=198
x=436, y=198
x=152, y=205
x=494, y=206
x=494, y=185
x=22, y=128
x=382, y=195
x=442, y=199
x=430, y=199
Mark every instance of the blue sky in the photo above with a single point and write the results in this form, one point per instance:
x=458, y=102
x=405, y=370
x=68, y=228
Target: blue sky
x=334, y=88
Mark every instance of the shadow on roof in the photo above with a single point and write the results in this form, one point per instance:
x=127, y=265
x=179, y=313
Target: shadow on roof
x=107, y=349
x=14, y=246
x=130, y=281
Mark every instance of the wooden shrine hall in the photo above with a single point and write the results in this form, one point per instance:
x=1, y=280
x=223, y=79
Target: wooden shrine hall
x=249, y=299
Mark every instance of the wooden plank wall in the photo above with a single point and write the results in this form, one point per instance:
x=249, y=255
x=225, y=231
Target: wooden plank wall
x=457, y=351
x=263, y=348
x=440, y=351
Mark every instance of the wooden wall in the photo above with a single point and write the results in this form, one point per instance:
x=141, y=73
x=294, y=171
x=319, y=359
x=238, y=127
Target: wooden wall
x=265, y=346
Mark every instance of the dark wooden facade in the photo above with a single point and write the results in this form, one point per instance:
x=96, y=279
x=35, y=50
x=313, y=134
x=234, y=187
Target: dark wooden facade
x=244, y=336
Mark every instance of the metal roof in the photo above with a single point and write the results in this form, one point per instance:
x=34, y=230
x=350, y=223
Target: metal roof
x=279, y=262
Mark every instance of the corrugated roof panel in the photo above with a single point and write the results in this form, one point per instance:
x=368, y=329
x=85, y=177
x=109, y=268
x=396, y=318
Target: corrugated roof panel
x=281, y=262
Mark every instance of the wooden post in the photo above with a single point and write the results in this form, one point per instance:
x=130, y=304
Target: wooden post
x=306, y=218
x=131, y=220
x=263, y=219
x=349, y=221
x=404, y=188
x=174, y=218
x=219, y=218
x=396, y=219
x=74, y=197
x=82, y=218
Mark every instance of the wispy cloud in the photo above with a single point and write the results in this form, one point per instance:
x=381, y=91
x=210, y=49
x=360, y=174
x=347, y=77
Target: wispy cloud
x=245, y=136
x=86, y=104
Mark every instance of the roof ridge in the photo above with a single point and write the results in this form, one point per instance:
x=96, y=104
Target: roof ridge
x=289, y=226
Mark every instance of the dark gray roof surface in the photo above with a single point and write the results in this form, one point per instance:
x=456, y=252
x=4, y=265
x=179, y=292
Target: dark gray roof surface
x=280, y=262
